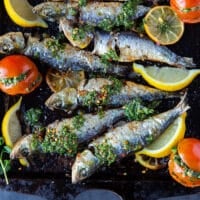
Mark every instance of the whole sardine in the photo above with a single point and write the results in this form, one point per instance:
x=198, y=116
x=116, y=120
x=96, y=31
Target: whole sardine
x=123, y=140
x=103, y=92
x=53, y=11
x=130, y=47
x=59, y=56
x=85, y=127
x=92, y=13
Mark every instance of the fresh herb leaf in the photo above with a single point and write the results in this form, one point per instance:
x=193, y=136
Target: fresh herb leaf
x=82, y=3
x=105, y=153
x=64, y=142
x=136, y=110
x=111, y=55
x=55, y=47
x=80, y=33
x=78, y=121
x=32, y=116
x=5, y=164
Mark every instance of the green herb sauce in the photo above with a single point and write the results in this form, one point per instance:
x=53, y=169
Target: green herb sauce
x=123, y=19
x=136, y=110
x=101, y=98
x=81, y=32
x=55, y=47
x=14, y=80
x=64, y=142
x=111, y=55
x=188, y=172
x=105, y=153
x=82, y=3
x=78, y=121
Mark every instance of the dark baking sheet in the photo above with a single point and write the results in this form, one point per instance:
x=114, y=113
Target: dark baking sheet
x=125, y=178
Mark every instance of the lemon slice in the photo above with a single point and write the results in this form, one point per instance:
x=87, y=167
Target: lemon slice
x=21, y=13
x=162, y=146
x=11, y=128
x=57, y=80
x=150, y=162
x=163, y=25
x=166, y=78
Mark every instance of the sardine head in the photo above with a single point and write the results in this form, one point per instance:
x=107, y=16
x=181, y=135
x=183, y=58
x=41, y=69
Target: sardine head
x=12, y=42
x=84, y=166
x=22, y=148
x=65, y=99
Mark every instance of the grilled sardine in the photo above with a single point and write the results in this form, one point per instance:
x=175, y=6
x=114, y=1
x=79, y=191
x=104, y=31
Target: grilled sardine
x=85, y=127
x=123, y=140
x=103, y=92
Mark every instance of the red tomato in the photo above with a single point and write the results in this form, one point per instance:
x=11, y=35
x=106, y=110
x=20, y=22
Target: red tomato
x=187, y=10
x=18, y=75
x=177, y=173
x=189, y=151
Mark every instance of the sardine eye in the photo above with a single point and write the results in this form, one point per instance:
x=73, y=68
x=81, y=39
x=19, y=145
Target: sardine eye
x=83, y=172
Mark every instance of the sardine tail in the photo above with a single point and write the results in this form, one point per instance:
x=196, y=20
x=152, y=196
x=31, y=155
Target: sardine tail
x=183, y=104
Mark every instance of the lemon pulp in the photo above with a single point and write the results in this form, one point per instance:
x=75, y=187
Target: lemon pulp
x=166, y=78
x=21, y=13
x=163, y=25
x=162, y=146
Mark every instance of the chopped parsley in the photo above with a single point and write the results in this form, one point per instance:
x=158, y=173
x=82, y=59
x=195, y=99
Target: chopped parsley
x=123, y=19
x=14, y=80
x=55, y=47
x=105, y=153
x=64, y=142
x=111, y=55
x=78, y=121
x=82, y=3
x=94, y=98
x=136, y=110
x=80, y=33
x=188, y=172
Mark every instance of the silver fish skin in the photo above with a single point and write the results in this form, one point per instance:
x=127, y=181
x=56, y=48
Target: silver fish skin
x=65, y=57
x=62, y=57
x=53, y=11
x=130, y=47
x=124, y=140
x=93, y=13
x=69, y=99
x=93, y=125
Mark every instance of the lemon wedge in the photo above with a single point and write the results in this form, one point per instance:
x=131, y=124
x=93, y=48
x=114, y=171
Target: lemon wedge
x=11, y=128
x=150, y=162
x=162, y=146
x=21, y=13
x=163, y=25
x=166, y=78
x=57, y=80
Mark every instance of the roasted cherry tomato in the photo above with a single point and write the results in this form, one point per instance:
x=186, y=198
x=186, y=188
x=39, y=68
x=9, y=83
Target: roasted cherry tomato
x=184, y=163
x=178, y=174
x=187, y=10
x=189, y=151
x=18, y=75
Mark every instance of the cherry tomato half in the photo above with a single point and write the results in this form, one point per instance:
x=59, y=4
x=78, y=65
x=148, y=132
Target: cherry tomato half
x=189, y=151
x=187, y=10
x=178, y=174
x=18, y=75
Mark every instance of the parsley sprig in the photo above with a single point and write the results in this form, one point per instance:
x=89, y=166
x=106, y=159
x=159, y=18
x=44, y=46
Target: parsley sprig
x=5, y=162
